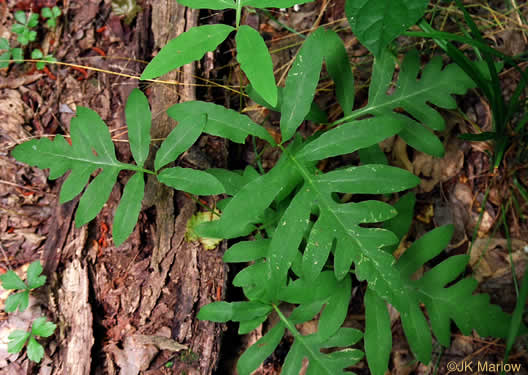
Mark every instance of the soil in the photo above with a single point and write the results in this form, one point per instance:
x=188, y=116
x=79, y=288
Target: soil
x=132, y=309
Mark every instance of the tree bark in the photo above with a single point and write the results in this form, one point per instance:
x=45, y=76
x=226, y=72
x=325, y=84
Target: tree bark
x=131, y=310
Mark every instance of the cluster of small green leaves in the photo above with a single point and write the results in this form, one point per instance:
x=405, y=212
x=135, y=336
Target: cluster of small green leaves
x=40, y=327
x=10, y=53
x=24, y=28
x=309, y=245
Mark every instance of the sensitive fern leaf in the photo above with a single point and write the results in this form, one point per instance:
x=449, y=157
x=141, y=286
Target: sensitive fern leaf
x=92, y=149
x=443, y=303
x=455, y=302
x=435, y=86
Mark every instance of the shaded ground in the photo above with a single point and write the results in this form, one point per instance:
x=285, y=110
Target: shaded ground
x=132, y=309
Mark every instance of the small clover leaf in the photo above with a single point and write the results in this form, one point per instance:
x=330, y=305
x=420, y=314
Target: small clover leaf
x=24, y=26
x=35, y=351
x=4, y=43
x=38, y=55
x=20, y=17
x=18, y=300
x=33, y=20
x=17, y=55
x=17, y=340
x=52, y=14
x=41, y=327
x=34, y=278
x=10, y=280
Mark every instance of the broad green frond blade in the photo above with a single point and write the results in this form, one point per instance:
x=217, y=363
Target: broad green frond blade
x=246, y=251
x=336, y=310
x=287, y=238
x=95, y=196
x=138, y=118
x=191, y=181
x=208, y=4
x=35, y=279
x=294, y=360
x=238, y=214
x=424, y=249
x=351, y=137
x=378, y=334
x=255, y=60
x=180, y=139
x=221, y=121
x=377, y=23
x=318, y=248
x=259, y=351
x=401, y=223
x=367, y=179
x=422, y=139
x=417, y=332
x=338, y=66
x=233, y=181
x=301, y=84
x=76, y=182
x=444, y=304
x=93, y=132
x=219, y=312
x=10, y=280
x=91, y=148
x=435, y=86
x=310, y=346
x=187, y=47
x=316, y=114
x=273, y=3
x=345, y=336
x=127, y=212
x=222, y=312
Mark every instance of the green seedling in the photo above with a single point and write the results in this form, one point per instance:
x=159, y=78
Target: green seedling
x=126, y=8
x=24, y=25
x=18, y=339
x=38, y=55
x=309, y=247
x=9, y=54
x=51, y=14
x=11, y=281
